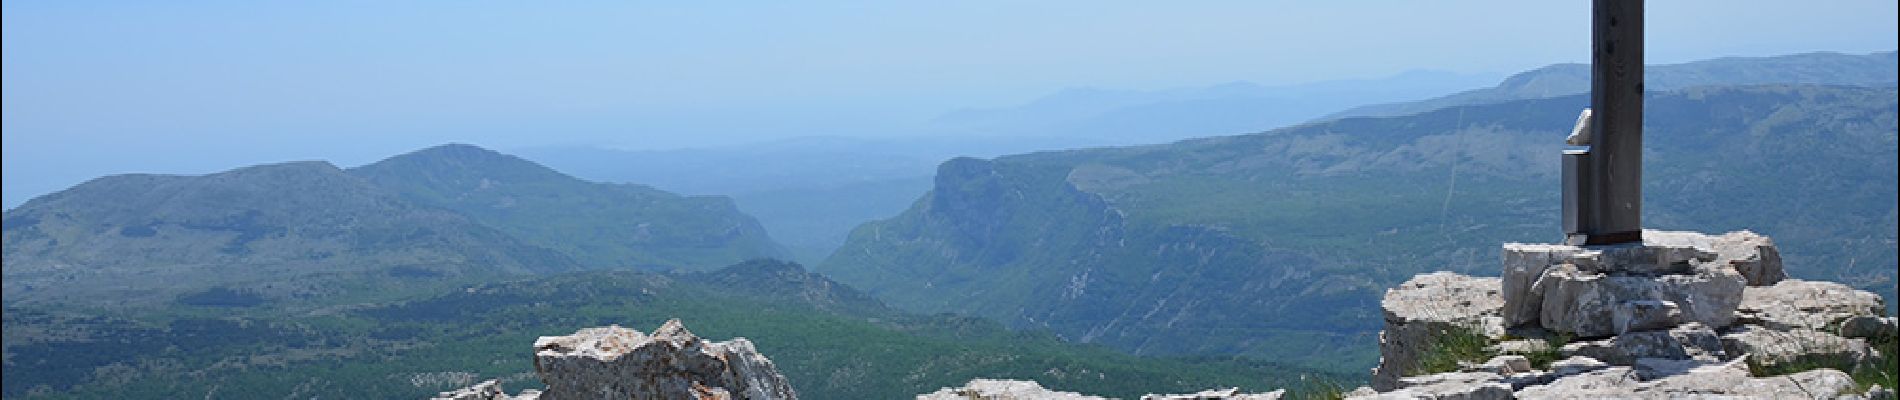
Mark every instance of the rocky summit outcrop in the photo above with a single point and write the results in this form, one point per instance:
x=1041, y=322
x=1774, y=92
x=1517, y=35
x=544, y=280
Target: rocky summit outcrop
x=1681, y=314
x=1668, y=279
x=1429, y=305
x=1006, y=389
x=621, y=363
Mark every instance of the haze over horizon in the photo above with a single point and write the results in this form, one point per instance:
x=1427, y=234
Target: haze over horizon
x=116, y=87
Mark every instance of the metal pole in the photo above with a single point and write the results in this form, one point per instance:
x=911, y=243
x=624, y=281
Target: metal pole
x=1616, y=101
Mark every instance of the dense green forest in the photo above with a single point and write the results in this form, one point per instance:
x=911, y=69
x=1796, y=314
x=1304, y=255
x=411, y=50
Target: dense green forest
x=829, y=340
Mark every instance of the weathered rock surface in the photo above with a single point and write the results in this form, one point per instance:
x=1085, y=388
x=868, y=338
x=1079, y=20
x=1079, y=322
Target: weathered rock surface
x=487, y=390
x=1751, y=254
x=1691, y=341
x=616, y=362
x=1870, y=327
x=621, y=363
x=1815, y=305
x=1728, y=380
x=1456, y=385
x=1506, y=365
x=1593, y=305
x=1002, y=389
x=1221, y=394
x=1680, y=315
x=1671, y=277
x=1427, y=305
x=1768, y=347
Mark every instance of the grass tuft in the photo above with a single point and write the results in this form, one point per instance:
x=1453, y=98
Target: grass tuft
x=1450, y=348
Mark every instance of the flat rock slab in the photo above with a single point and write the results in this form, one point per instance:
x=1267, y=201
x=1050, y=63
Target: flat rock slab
x=1769, y=347
x=1688, y=342
x=1816, y=305
x=1003, y=389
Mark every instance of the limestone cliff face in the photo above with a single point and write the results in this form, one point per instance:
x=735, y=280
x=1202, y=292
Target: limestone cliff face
x=1680, y=314
x=620, y=363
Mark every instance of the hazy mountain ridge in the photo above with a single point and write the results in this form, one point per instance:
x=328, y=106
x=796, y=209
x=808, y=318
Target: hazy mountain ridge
x=1825, y=68
x=1276, y=244
x=117, y=238
x=435, y=217
x=807, y=192
x=598, y=224
x=1123, y=117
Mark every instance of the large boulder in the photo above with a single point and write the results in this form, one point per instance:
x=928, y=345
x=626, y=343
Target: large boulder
x=1429, y=305
x=1816, y=305
x=672, y=363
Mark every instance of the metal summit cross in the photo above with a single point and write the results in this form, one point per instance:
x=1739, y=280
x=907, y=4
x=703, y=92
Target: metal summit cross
x=1603, y=183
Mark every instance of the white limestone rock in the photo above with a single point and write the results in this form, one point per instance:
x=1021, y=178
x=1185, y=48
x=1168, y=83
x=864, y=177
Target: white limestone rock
x=1595, y=305
x=1576, y=365
x=1703, y=380
x=487, y=390
x=1524, y=264
x=1606, y=383
x=1427, y=305
x=1002, y=389
x=1815, y=305
x=1452, y=385
x=1219, y=394
x=1505, y=365
x=1751, y=256
x=1688, y=342
x=616, y=362
x=1768, y=347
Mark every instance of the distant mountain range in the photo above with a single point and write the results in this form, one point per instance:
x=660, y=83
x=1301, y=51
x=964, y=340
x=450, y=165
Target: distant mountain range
x=810, y=192
x=1277, y=244
x=1874, y=69
x=452, y=212
x=1125, y=117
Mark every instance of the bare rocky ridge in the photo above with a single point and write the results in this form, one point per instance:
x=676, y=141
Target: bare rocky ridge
x=1682, y=314
x=672, y=363
x=1679, y=315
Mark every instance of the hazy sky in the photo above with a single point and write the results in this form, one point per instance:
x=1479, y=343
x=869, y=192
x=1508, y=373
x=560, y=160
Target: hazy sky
x=101, y=87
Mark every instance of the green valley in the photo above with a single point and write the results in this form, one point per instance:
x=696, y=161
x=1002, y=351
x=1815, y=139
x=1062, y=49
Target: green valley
x=1277, y=245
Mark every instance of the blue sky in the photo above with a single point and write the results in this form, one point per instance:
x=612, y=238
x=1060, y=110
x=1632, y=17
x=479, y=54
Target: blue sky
x=100, y=87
